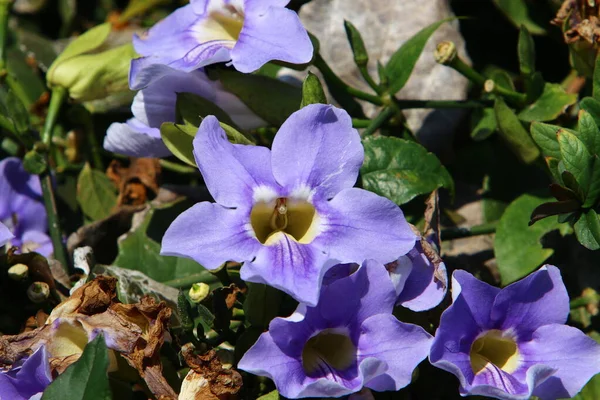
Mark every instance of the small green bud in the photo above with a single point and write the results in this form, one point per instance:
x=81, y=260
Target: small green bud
x=38, y=292
x=198, y=292
x=445, y=52
x=312, y=91
x=93, y=66
x=18, y=272
x=361, y=57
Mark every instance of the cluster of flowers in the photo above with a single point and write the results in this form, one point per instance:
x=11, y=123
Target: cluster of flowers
x=348, y=256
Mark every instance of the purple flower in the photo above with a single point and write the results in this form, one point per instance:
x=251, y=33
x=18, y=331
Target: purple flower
x=350, y=340
x=22, y=209
x=420, y=277
x=513, y=343
x=287, y=213
x=27, y=381
x=5, y=234
x=140, y=136
x=248, y=33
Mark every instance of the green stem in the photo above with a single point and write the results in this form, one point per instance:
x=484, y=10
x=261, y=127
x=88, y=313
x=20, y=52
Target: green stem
x=367, y=77
x=176, y=167
x=360, y=123
x=333, y=79
x=379, y=120
x=457, y=233
x=4, y=14
x=189, y=280
x=59, y=95
x=584, y=301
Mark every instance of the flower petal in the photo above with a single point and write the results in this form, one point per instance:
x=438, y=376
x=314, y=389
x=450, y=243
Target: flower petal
x=35, y=241
x=358, y=216
x=477, y=297
x=27, y=380
x=295, y=268
x=539, y=299
x=402, y=346
x=211, y=235
x=135, y=139
x=273, y=33
x=317, y=148
x=233, y=173
x=574, y=356
x=5, y=234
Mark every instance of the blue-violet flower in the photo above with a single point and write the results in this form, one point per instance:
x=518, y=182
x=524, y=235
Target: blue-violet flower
x=28, y=380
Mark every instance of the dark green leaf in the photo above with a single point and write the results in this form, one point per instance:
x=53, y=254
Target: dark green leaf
x=588, y=132
x=271, y=99
x=192, y=109
x=592, y=106
x=205, y=318
x=312, y=91
x=534, y=87
x=361, y=57
x=526, y=50
x=545, y=136
x=587, y=230
x=596, y=76
x=593, y=191
x=262, y=304
x=34, y=162
x=500, y=77
x=383, y=79
x=184, y=311
x=517, y=246
x=17, y=112
x=86, y=379
x=400, y=169
x=514, y=134
x=486, y=124
x=402, y=62
x=552, y=103
x=552, y=164
x=576, y=158
x=518, y=13
x=95, y=193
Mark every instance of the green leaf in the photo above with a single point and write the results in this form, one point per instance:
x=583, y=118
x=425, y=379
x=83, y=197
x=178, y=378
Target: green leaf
x=95, y=193
x=486, y=124
x=596, y=79
x=312, y=91
x=274, y=395
x=593, y=191
x=534, y=87
x=138, y=252
x=86, y=378
x=518, y=13
x=592, y=106
x=402, y=62
x=400, y=169
x=34, y=162
x=545, y=136
x=514, y=134
x=17, y=112
x=588, y=132
x=517, y=246
x=591, y=391
x=192, y=109
x=361, y=56
x=576, y=158
x=526, y=50
x=587, y=230
x=262, y=304
x=271, y=99
x=549, y=105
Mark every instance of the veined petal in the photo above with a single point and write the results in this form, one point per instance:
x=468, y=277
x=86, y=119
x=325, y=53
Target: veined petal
x=539, y=299
x=357, y=216
x=29, y=379
x=574, y=356
x=273, y=33
x=5, y=234
x=260, y=6
x=211, y=235
x=477, y=297
x=135, y=139
x=317, y=148
x=295, y=268
x=34, y=241
x=402, y=346
x=233, y=174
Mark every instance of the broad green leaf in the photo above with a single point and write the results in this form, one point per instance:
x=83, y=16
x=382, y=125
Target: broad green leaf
x=518, y=13
x=262, y=304
x=587, y=230
x=361, y=56
x=192, y=109
x=274, y=395
x=517, y=246
x=588, y=132
x=514, y=134
x=486, y=124
x=552, y=164
x=593, y=191
x=500, y=77
x=400, y=169
x=86, y=378
x=95, y=193
x=576, y=158
x=312, y=91
x=592, y=106
x=17, y=112
x=402, y=62
x=534, y=87
x=138, y=252
x=526, y=50
x=545, y=136
x=271, y=99
x=549, y=105
x=596, y=76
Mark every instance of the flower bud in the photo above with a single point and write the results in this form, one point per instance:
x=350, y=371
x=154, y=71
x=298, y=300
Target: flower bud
x=93, y=66
x=445, y=52
x=38, y=292
x=198, y=292
x=18, y=272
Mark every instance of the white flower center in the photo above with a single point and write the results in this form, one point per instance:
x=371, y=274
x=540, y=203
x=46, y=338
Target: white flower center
x=497, y=348
x=224, y=22
x=326, y=350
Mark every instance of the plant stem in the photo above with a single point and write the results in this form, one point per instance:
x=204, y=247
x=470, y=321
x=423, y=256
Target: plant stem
x=407, y=104
x=4, y=14
x=367, y=77
x=333, y=79
x=379, y=120
x=204, y=276
x=360, y=123
x=59, y=95
x=457, y=233
x=176, y=167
